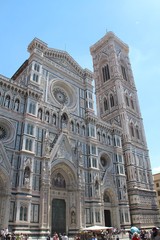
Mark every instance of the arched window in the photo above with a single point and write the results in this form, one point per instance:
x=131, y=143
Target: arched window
x=137, y=132
x=32, y=108
x=35, y=77
x=104, y=138
x=23, y=213
x=109, y=140
x=64, y=120
x=36, y=67
x=77, y=129
x=127, y=100
x=30, y=129
x=105, y=73
x=28, y=144
x=124, y=72
x=114, y=140
x=98, y=136
x=111, y=100
x=83, y=130
x=118, y=142
x=132, y=103
x=132, y=129
x=105, y=104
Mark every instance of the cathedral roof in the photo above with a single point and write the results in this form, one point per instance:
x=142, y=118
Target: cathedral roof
x=106, y=38
x=53, y=53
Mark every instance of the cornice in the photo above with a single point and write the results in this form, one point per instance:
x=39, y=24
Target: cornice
x=55, y=53
x=12, y=85
x=102, y=42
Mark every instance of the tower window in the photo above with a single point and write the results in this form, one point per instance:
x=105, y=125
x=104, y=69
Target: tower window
x=32, y=108
x=105, y=104
x=127, y=101
x=137, y=132
x=28, y=144
x=132, y=103
x=23, y=213
x=83, y=131
x=132, y=130
x=112, y=100
x=36, y=67
x=124, y=72
x=105, y=72
x=35, y=77
x=30, y=129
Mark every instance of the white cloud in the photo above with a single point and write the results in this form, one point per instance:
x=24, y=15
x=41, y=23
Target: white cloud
x=156, y=170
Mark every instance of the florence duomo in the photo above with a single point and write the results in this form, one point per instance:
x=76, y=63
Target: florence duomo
x=65, y=165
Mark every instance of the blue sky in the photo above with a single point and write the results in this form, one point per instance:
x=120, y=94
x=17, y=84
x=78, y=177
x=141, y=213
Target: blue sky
x=74, y=26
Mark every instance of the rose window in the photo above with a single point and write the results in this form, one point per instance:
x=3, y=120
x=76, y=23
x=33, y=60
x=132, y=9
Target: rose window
x=60, y=96
x=3, y=133
x=63, y=93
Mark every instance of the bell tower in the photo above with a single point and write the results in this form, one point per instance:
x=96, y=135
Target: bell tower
x=117, y=104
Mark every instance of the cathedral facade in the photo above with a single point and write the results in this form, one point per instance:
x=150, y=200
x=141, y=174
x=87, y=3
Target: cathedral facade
x=63, y=167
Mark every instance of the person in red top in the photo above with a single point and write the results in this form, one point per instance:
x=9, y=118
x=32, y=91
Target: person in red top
x=135, y=236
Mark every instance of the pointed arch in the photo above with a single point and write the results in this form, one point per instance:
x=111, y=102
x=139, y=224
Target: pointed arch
x=112, y=100
x=131, y=129
x=105, y=102
x=64, y=120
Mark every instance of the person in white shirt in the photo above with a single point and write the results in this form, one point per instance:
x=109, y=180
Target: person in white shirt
x=64, y=237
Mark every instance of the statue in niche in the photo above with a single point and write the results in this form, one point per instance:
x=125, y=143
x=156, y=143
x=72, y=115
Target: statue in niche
x=64, y=121
x=40, y=113
x=16, y=105
x=73, y=217
x=47, y=116
x=54, y=119
x=7, y=102
x=27, y=177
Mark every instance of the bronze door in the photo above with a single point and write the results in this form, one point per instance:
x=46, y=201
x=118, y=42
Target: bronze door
x=107, y=217
x=58, y=216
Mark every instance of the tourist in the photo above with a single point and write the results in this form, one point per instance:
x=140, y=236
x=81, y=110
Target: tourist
x=64, y=237
x=135, y=236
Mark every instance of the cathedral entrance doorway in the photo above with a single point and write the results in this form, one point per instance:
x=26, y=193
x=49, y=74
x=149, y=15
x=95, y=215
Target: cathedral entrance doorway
x=107, y=218
x=58, y=216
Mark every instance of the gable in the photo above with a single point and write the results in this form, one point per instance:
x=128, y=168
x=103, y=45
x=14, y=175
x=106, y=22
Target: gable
x=62, y=149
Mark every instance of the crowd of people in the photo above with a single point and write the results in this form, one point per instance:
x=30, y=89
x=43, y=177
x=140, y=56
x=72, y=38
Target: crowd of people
x=153, y=234
x=6, y=235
